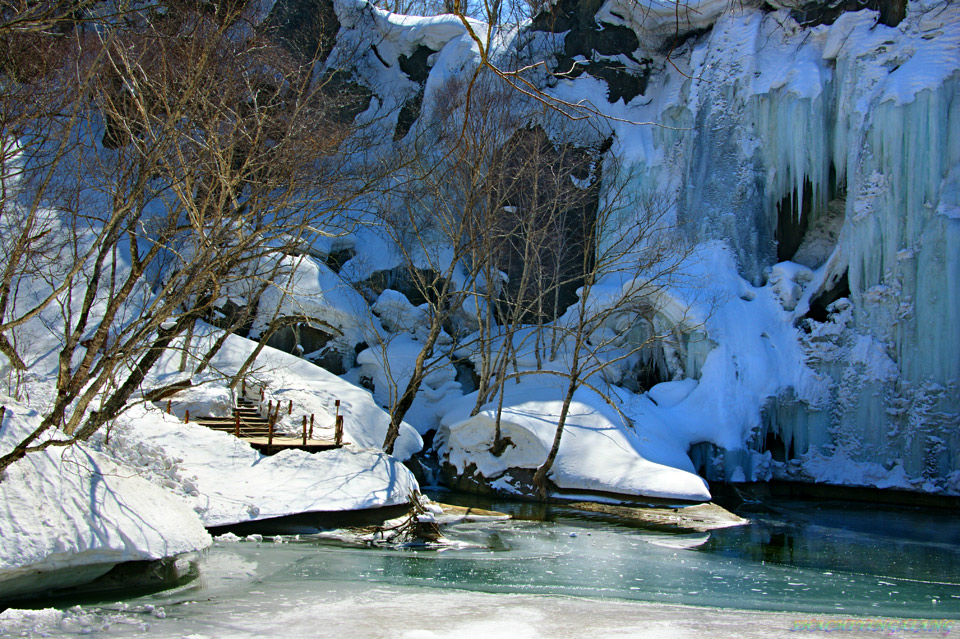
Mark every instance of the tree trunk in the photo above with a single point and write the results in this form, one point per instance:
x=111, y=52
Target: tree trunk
x=540, y=476
x=186, y=349
x=114, y=405
x=413, y=386
x=7, y=349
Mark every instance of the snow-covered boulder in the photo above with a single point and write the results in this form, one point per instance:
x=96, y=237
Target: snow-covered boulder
x=597, y=451
x=69, y=515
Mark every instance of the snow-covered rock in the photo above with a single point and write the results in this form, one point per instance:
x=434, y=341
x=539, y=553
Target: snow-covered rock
x=68, y=515
x=597, y=451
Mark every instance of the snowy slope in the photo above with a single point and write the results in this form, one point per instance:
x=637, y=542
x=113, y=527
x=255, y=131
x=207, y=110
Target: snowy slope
x=285, y=378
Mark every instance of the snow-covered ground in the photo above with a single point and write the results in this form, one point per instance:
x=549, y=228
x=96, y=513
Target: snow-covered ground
x=228, y=482
x=68, y=515
x=435, y=614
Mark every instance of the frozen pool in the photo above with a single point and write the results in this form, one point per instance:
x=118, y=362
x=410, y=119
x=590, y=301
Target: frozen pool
x=556, y=576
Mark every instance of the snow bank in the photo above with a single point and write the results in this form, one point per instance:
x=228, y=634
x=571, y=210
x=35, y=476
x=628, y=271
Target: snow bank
x=596, y=453
x=68, y=515
x=228, y=482
x=313, y=391
x=307, y=288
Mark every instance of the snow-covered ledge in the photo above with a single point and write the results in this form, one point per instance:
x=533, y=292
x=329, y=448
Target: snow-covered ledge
x=69, y=515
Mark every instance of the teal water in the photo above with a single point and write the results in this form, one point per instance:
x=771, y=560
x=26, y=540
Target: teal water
x=800, y=558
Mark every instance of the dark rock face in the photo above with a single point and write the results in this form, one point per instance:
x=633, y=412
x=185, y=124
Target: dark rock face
x=334, y=360
x=308, y=30
x=417, y=69
x=409, y=113
x=534, y=184
x=351, y=98
x=471, y=481
x=622, y=83
x=299, y=339
x=419, y=286
x=337, y=258
x=316, y=346
x=816, y=13
x=818, y=306
x=792, y=223
x=416, y=66
x=596, y=42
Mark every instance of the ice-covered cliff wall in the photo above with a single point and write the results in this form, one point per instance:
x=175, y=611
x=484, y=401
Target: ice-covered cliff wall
x=837, y=147
x=812, y=155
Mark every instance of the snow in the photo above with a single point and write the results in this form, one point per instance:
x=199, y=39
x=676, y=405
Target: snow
x=70, y=514
x=313, y=391
x=233, y=483
x=596, y=452
x=226, y=481
x=668, y=394
x=308, y=288
x=661, y=18
x=390, y=366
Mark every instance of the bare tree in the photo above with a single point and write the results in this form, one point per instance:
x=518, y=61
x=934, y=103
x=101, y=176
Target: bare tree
x=631, y=256
x=188, y=149
x=441, y=219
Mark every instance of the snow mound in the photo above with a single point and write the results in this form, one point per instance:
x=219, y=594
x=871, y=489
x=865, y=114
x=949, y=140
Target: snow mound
x=69, y=515
x=229, y=482
x=596, y=453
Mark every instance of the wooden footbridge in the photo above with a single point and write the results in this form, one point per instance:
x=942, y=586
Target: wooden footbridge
x=250, y=425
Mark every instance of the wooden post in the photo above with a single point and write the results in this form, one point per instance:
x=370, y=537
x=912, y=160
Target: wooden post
x=168, y=407
x=243, y=389
x=336, y=405
x=269, y=408
x=236, y=424
x=304, y=430
x=290, y=409
x=311, y=425
x=262, y=391
x=269, y=434
x=338, y=431
x=186, y=417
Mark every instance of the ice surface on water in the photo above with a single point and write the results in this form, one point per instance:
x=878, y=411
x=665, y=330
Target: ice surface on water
x=533, y=579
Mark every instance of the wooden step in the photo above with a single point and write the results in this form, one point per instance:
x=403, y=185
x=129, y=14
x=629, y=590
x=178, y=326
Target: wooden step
x=230, y=425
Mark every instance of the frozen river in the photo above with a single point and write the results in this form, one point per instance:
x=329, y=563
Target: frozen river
x=797, y=567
